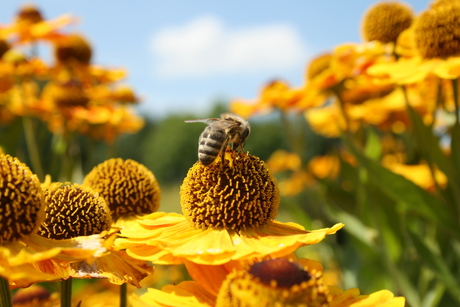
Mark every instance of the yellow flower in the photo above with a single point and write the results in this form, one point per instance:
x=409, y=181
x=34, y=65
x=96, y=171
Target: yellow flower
x=419, y=174
x=345, y=80
x=229, y=213
x=247, y=108
x=274, y=282
x=78, y=215
x=385, y=21
x=281, y=160
x=235, y=196
x=437, y=50
x=128, y=187
x=323, y=167
x=72, y=49
x=22, y=209
x=434, y=28
x=29, y=25
x=106, y=123
x=352, y=298
x=296, y=183
x=73, y=210
x=329, y=121
x=103, y=294
x=389, y=113
x=276, y=94
x=35, y=295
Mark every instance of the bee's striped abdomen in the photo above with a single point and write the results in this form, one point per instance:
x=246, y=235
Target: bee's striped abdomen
x=210, y=145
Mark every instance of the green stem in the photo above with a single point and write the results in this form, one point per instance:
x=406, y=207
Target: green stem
x=288, y=129
x=5, y=293
x=29, y=131
x=430, y=164
x=456, y=102
x=123, y=295
x=66, y=292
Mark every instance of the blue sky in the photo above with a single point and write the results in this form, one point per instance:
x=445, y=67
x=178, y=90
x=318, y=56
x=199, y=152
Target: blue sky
x=184, y=55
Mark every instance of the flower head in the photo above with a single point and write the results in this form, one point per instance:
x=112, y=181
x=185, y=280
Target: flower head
x=73, y=210
x=30, y=25
x=318, y=64
x=269, y=282
x=275, y=282
x=35, y=295
x=128, y=187
x=73, y=48
x=385, y=21
x=435, y=31
x=212, y=198
x=21, y=200
x=67, y=94
x=242, y=195
x=29, y=14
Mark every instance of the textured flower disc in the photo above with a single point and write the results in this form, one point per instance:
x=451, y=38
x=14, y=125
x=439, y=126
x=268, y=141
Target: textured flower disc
x=242, y=194
x=128, y=187
x=35, y=295
x=4, y=47
x=385, y=21
x=68, y=94
x=437, y=31
x=276, y=282
x=318, y=65
x=73, y=210
x=29, y=14
x=21, y=200
x=73, y=48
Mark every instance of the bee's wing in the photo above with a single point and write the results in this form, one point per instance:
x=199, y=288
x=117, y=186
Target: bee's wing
x=202, y=120
x=222, y=124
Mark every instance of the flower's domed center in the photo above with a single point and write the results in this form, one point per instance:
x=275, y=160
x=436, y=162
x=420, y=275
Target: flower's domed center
x=73, y=210
x=128, y=187
x=436, y=31
x=276, y=282
x=21, y=201
x=73, y=48
x=33, y=296
x=4, y=47
x=68, y=94
x=241, y=194
x=385, y=21
x=318, y=65
x=29, y=14
x=125, y=94
x=283, y=271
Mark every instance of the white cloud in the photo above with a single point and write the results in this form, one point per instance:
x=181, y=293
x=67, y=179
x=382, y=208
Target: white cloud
x=206, y=47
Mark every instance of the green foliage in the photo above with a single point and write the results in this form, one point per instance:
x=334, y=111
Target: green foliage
x=171, y=147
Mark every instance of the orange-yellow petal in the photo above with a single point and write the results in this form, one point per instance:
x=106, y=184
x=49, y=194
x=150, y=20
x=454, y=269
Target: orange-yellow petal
x=352, y=298
x=185, y=294
x=180, y=241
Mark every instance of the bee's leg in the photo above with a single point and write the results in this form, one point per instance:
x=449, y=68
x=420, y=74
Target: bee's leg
x=241, y=146
x=223, y=150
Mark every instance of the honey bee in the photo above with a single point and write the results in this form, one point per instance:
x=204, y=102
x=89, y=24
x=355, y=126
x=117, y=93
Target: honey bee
x=229, y=129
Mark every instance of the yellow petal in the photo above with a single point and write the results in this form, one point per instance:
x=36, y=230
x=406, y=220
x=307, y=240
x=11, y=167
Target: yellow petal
x=186, y=294
x=179, y=241
x=351, y=298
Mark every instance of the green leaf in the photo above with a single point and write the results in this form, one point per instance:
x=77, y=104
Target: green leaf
x=373, y=147
x=354, y=226
x=429, y=146
x=432, y=259
x=402, y=190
